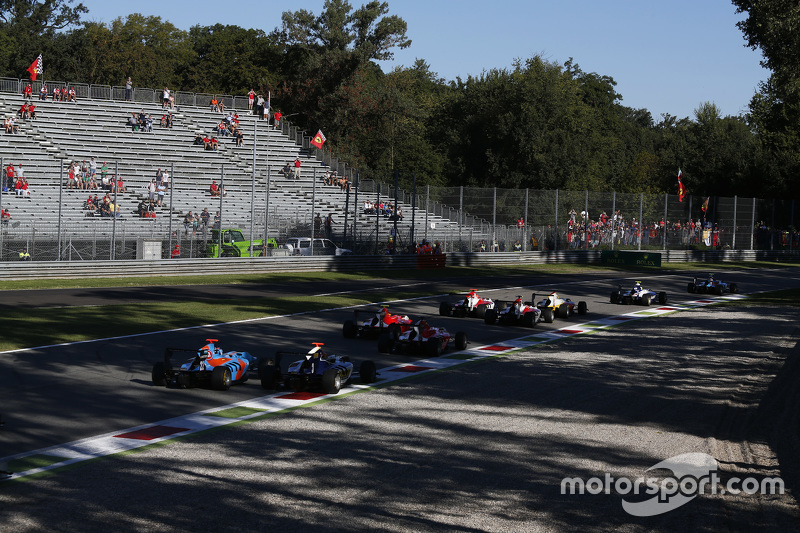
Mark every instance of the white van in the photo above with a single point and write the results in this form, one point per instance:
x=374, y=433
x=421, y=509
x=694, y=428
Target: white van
x=302, y=246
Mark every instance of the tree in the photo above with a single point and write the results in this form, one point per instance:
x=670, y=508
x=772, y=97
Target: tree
x=30, y=27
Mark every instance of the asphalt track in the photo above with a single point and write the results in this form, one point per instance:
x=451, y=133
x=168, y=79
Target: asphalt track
x=474, y=449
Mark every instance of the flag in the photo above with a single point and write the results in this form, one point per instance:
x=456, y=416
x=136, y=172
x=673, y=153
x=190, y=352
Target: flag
x=681, y=188
x=36, y=67
x=319, y=139
x=705, y=204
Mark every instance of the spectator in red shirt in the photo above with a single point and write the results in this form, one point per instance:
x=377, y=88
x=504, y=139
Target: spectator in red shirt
x=277, y=115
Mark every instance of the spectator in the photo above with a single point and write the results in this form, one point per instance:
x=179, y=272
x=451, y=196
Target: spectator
x=43, y=93
x=165, y=179
x=206, y=143
x=10, y=173
x=151, y=190
x=239, y=137
x=24, y=255
x=317, y=224
x=214, y=104
x=161, y=190
x=128, y=89
x=5, y=216
x=222, y=129
x=7, y=124
x=217, y=221
x=297, y=168
x=148, y=123
x=214, y=188
x=176, y=252
x=259, y=104
x=214, y=143
x=120, y=185
x=27, y=92
x=133, y=122
x=165, y=97
x=57, y=94
x=14, y=125
x=277, y=117
x=188, y=223
x=31, y=110
x=142, y=209
x=142, y=120
x=104, y=171
x=73, y=96
x=251, y=97
x=198, y=140
x=23, y=111
x=222, y=106
x=329, y=226
x=89, y=204
x=287, y=170
x=205, y=216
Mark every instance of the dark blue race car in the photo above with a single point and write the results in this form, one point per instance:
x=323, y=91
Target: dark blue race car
x=711, y=285
x=317, y=370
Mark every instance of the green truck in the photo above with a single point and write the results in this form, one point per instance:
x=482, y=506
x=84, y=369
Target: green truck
x=234, y=244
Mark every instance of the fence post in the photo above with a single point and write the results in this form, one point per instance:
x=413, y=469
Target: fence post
x=171, y=192
x=313, y=210
x=641, y=204
x=494, y=218
x=753, y=224
x=664, y=230
x=791, y=228
x=377, y=217
x=733, y=242
x=114, y=214
x=266, y=212
x=413, y=209
x=525, y=223
x=613, y=217
x=460, y=210
x=555, y=228
x=253, y=191
x=355, y=217
x=427, y=208
x=586, y=222
x=221, y=195
x=60, y=196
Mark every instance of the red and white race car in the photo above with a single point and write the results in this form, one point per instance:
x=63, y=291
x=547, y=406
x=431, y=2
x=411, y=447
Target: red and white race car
x=518, y=313
x=421, y=338
x=471, y=305
x=379, y=321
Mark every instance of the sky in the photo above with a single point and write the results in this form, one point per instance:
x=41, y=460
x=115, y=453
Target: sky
x=668, y=57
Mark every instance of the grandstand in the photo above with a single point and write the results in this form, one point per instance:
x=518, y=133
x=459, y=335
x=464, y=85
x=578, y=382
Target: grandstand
x=77, y=131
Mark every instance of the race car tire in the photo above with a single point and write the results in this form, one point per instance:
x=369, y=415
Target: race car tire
x=480, y=311
x=445, y=309
x=331, y=381
x=367, y=372
x=662, y=298
x=690, y=288
x=645, y=300
x=548, y=315
x=461, y=340
x=268, y=373
x=627, y=300
x=159, y=374
x=734, y=288
x=221, y=378
x=529, y=319
x=615, y=297
x=490, y=317
x=394, y=331
x=385, y=343
x=563, y=310
x=719, y=290
x=349, y=330
x=582, y=308
x=433, y=348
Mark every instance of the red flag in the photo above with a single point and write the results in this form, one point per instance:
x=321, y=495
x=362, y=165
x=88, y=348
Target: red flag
x=319, y=139
x=36, y=67
x=681, y=188
x=705, y=205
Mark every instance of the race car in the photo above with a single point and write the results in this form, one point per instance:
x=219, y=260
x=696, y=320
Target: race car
x=553, y=306
x=637, y=295
x=471, y=305
x=422, y=338
x=518, y=313
x=317, y=370
x=380, y=321
x=711, y=285
x=208, y=366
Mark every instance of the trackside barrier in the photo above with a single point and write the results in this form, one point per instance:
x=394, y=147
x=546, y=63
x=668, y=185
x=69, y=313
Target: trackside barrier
x=19, y=270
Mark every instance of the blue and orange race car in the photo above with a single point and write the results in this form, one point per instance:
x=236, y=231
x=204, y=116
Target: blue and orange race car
x=208, y=366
